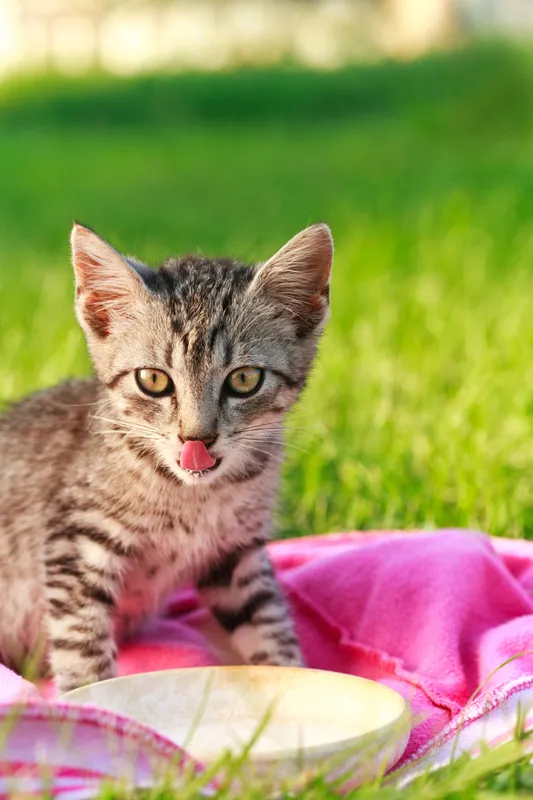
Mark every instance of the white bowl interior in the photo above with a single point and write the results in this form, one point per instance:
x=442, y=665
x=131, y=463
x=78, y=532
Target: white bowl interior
x=209, y=710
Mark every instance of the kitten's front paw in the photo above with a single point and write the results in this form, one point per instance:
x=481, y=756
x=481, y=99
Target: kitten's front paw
x=281, y=658
x=71, y=679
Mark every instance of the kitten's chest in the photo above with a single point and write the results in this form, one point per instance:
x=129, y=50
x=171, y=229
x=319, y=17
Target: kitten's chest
x=176, y=552
x=145, y=586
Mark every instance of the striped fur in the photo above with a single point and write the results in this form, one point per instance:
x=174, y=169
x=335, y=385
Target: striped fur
x=98, y=522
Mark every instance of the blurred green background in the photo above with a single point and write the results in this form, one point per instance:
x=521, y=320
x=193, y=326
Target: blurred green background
x=419, y=411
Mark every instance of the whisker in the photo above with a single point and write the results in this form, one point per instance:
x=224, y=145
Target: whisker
x=275, y=442
x=259, y=441
x=266, y=425
x=291, y=434
x=260, y=450
x=126, y=434
x=100, y=403
x=257, y=432
x=121, y=422
x=124, y=424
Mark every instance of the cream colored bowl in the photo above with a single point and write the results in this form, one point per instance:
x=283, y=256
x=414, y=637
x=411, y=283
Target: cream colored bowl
x=306, y=719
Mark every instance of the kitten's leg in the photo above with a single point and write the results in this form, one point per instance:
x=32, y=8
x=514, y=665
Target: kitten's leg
x=244, y=597
x=82, y=565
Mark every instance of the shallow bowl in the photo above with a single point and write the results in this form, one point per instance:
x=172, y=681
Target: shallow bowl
x=303, y=720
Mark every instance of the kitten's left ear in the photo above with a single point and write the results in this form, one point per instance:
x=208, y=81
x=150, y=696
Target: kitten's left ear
x=106, y=285
x=297, y=277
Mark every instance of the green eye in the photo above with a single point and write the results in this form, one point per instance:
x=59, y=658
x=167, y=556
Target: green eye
x=244, y=381
x=154, y=382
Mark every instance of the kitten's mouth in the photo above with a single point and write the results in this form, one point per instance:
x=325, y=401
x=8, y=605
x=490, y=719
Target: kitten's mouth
x=196, y=460
x=198, y=473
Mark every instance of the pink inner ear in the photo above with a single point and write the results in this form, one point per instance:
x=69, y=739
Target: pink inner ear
x=106, y=285
x=195, y=457
x=96, y=315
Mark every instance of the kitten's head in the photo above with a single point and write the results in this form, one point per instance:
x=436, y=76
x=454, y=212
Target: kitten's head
x=200, y=349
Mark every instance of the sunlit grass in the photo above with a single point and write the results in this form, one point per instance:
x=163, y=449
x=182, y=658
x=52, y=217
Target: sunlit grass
x=418, y=411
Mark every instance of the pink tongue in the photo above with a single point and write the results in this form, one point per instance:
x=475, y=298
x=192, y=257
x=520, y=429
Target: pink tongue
x=195, y=457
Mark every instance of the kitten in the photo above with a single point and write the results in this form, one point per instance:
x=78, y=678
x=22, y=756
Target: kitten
x=164, y=467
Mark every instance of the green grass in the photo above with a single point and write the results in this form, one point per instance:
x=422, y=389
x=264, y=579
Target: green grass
x=419, y=412
x=505, y=770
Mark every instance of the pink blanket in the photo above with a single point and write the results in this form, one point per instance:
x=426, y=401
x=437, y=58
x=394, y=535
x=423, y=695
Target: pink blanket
x=432, y=615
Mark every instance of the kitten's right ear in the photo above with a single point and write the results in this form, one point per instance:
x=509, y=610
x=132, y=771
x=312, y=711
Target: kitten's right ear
x=106, y=285
x=296, y=278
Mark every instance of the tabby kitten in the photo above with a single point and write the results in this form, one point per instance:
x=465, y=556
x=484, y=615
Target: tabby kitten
x=164, y=467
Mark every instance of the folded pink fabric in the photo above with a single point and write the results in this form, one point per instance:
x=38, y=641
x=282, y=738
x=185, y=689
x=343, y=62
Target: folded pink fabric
x=68, y=751
x=430, y=614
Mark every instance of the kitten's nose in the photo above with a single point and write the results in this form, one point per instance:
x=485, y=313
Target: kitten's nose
x=208, y=441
